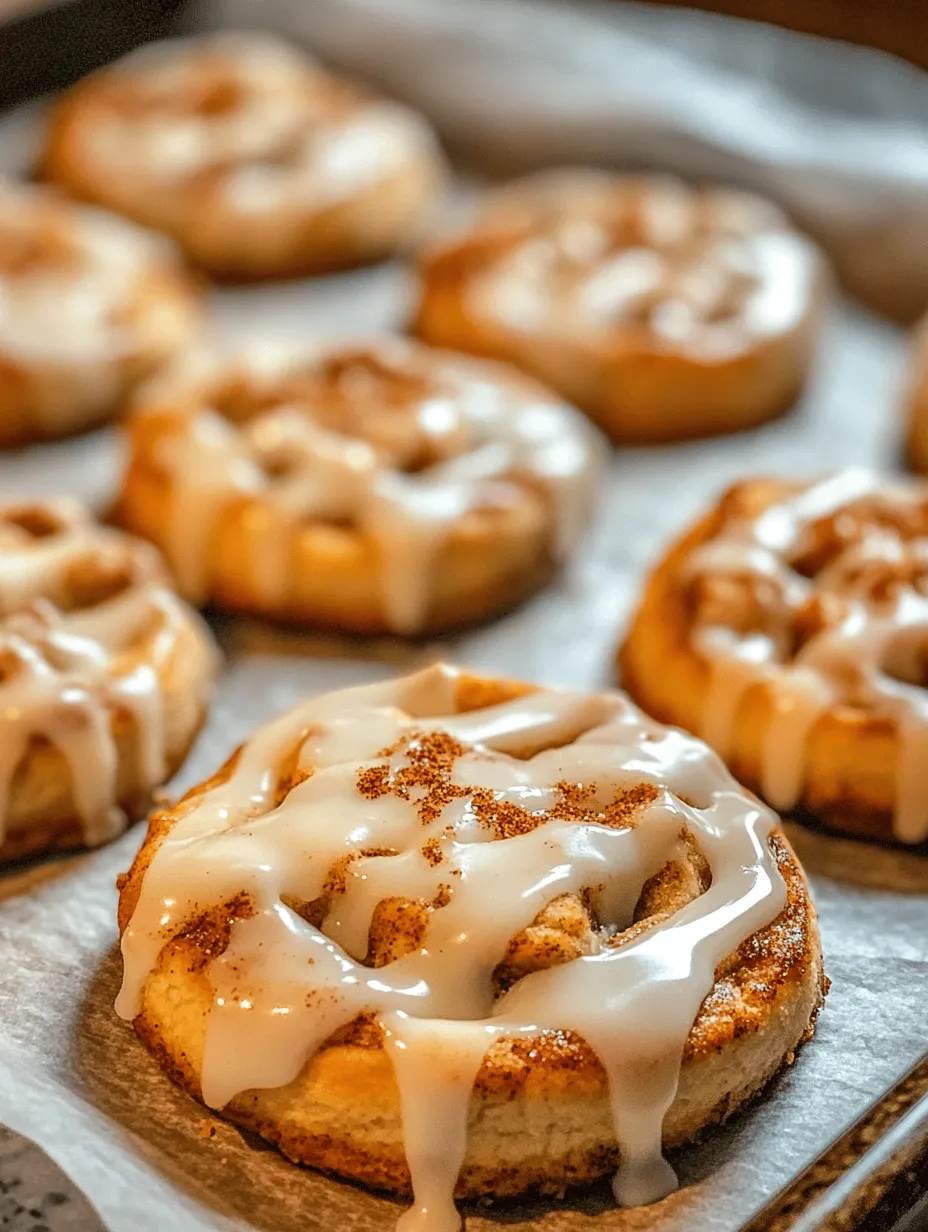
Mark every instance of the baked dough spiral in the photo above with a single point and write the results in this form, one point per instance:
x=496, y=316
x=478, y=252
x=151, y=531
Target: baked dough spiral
x=662, y=311
x=364, y=487
x=253, y=158
x=105, y=678
x=89, y=305
x=455, y=935
x=789, y=628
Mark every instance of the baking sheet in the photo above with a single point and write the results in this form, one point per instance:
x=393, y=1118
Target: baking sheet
x=75, y=1079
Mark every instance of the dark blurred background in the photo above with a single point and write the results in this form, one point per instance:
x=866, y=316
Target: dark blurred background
x=44, y=46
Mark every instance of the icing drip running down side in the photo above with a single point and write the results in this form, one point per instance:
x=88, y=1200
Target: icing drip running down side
x=822, y=596
x=78, y=603
x=485, y=817
x=398, y=442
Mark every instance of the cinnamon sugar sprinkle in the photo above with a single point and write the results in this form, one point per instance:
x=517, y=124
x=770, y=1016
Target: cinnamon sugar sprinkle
x=433, y=852
x=425, y=778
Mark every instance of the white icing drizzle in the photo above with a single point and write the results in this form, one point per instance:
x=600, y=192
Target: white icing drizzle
x=64, y=672
x=282, y=986
x=401, y=442
x=75, y=301
x=602, y=257
x=259, y=114
x=869, y=651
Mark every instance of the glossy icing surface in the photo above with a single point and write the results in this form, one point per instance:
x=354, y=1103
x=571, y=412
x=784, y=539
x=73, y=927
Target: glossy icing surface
x=257, y=117
x=74, y=295
x=396, y=441
x=822, y=595
x=77, y=602
x=603, y=260
x=480, y=819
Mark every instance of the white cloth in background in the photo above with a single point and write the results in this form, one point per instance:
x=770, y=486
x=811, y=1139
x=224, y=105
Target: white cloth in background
x=838, y=134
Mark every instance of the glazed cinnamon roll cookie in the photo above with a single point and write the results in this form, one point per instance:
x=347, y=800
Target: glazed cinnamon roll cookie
x=471, y=938
x=789, y=628
x=89, y=305
x=663, y=311
x=368, y=488
x=254, y=159
x=105, y=678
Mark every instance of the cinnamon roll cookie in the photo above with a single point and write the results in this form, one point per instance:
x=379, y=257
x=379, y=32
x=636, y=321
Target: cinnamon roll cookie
x=368, y=488
x=105, y=678
x=254, y=159
x=452, y=936
x=662, y=311
x=89, y=305
x=789, y=628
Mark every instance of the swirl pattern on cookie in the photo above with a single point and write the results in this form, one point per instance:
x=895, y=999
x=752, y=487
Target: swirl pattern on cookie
x=88, y=633
x=89, y=305
x=389, y=852
x=245, y=150
x=383, y=460
x=810, y=601
x=654, y=306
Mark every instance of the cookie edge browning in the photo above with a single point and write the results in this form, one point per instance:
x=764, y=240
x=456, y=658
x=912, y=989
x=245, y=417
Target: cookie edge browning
x=636, y=394
x=41, y=814
x=762, y=1008
x=367, y=227
x=495, y=558
x=29, y=384
x=849, y=783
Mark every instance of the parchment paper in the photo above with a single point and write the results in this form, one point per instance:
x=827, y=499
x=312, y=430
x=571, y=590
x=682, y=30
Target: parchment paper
x=76, y=1080
x=838, y=134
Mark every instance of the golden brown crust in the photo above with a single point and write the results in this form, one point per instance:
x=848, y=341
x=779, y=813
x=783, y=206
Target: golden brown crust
x=305, y=232
x=495, y=554
x=851, y=754
x=539, y=1114
x=148, y=307
x=493, y=559
x=761, y=1010
x=637, y=386
x=43, y=819
x=41, y=811
x=76, y=569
